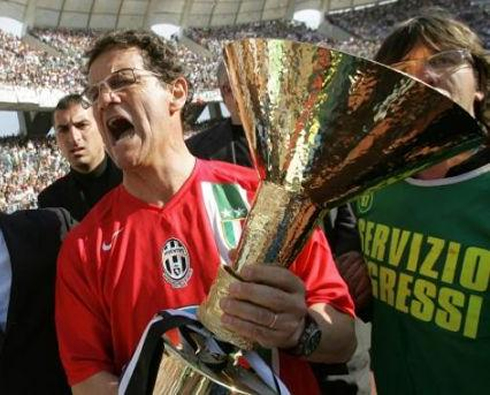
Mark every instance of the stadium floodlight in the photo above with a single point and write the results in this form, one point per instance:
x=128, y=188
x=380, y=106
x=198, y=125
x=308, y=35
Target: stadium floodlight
x=311, y=18
x=166, y=30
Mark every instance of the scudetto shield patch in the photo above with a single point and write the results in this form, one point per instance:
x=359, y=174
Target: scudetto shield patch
x=176, y=264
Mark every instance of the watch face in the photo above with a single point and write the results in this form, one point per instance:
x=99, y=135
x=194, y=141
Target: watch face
x=313, y=341
x=309, y=339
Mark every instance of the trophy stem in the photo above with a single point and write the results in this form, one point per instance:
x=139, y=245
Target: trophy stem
x=209, y=312
x=277, y=227
x=275, y=231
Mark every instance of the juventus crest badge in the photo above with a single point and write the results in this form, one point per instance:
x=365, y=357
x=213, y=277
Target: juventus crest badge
x=176, y=263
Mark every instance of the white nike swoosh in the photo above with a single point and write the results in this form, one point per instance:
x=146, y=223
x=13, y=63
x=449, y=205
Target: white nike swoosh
x=107, y=246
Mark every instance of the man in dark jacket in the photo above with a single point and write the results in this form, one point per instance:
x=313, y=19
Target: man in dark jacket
x=29, y=244
x=92, y=173
x=226, y=141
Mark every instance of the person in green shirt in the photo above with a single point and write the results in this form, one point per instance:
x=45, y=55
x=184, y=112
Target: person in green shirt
x=426, y=240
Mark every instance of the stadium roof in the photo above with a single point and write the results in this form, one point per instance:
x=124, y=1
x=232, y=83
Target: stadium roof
x=110, y=14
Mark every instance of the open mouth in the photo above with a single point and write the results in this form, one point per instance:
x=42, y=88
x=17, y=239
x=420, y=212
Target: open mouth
x=120, y=127
x=77, y=150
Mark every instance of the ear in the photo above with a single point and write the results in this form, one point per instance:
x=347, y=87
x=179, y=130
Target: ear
x=479, y=96
x=179, y=94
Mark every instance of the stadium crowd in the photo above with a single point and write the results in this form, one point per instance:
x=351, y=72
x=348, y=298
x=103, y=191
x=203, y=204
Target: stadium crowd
x=272, y=29
x=373, y=23
x=23, y=64
x=73, y=44
x=26, y=167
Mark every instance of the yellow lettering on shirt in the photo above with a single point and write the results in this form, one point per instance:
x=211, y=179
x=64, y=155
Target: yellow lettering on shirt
x=437, y=281
x=381, y=234
x=387, y=279
x=449, y=317
x=475, y=273
x=435, y=249
x=403, y=292
x=423, y=306
x=413, y=256
x=399, y=240
x=451, y=260
x=473, y=316
x=368, y=237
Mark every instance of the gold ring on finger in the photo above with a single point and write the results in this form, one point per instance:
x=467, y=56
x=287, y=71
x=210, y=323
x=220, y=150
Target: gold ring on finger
x=273, y=322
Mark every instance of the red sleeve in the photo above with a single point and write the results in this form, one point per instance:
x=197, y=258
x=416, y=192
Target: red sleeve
x=83, y=334
x=316, y=267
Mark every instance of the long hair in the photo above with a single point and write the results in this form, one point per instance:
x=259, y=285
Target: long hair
x=438, y=31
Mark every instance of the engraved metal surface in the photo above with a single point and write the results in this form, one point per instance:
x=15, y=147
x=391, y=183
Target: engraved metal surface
x=333, y=125
x=323, y=127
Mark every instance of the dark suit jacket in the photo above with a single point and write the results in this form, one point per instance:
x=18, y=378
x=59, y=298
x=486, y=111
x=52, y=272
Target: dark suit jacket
x=340, y=226
x=223, y=142
x=78, y=193
x=29, y=360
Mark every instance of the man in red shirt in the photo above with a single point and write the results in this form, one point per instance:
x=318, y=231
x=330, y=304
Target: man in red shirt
x=156, y=241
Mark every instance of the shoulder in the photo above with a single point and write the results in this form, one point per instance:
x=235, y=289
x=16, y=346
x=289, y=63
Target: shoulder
x=203, y=141
x=227, y=173
x=39, y=216
x=222, y=126
x=41, y=223
x=54, y=189
x=104, y=212
x=114, y=171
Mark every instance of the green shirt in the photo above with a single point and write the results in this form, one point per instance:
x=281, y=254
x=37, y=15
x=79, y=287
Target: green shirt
x=427, y=246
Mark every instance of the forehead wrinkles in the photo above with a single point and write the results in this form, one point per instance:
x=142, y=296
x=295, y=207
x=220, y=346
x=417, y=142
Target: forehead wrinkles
x=112, y=60
x=71, y=120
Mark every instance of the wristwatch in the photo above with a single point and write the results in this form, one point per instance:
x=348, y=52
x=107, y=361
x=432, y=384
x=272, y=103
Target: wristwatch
x=309, y=339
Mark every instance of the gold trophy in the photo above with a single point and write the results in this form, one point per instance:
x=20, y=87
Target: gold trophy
x=323, y=127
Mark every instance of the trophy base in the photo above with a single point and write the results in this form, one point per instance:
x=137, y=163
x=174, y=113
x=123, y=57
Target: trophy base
x=209, y=312
x=183, y=372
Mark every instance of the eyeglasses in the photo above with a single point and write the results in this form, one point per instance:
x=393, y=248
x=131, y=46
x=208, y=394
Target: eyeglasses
x=438, y=64
x=116, y=81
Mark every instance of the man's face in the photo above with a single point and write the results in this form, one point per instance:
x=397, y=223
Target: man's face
x=227, y=95
x=78, y=138
x=458, y=82
x=136, y=122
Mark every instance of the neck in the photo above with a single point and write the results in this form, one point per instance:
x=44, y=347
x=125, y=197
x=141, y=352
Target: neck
x=157, y=183
x=235, y=119
x=93, y=169
x=440, y=170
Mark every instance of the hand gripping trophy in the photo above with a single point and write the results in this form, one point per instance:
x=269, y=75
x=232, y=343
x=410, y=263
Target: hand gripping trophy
x=323, y=127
